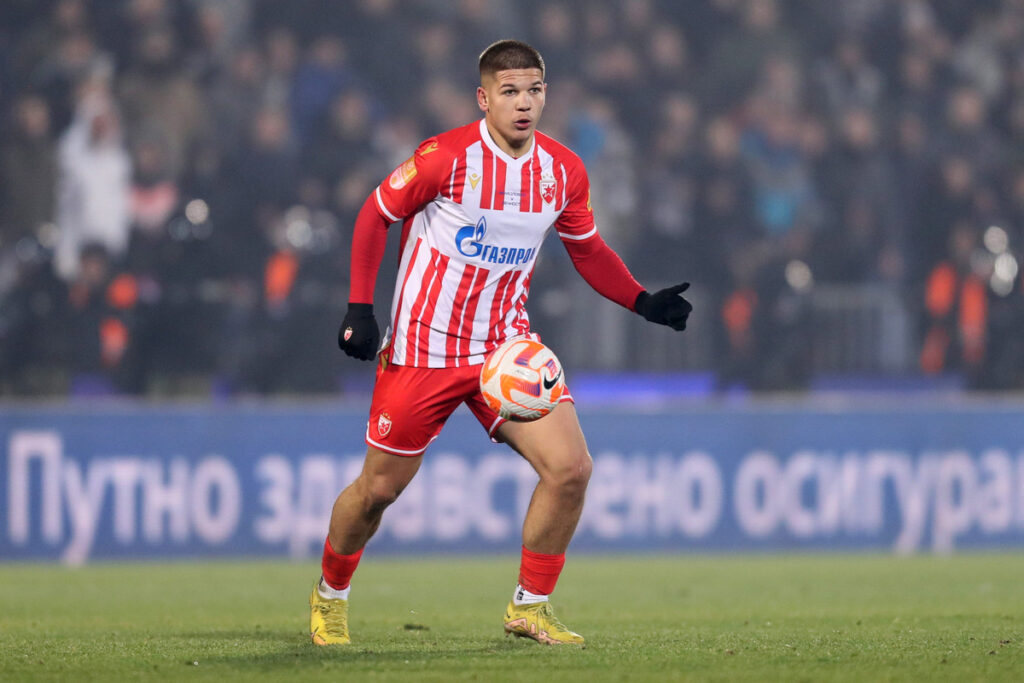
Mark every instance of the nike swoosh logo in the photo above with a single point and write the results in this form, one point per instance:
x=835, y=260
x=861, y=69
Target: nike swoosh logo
x=549, y=384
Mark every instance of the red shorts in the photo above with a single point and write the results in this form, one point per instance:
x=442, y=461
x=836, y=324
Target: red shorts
x=410, y=405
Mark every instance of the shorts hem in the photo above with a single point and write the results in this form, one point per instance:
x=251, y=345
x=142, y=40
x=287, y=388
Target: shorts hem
x=395, y=451
x=493, y=429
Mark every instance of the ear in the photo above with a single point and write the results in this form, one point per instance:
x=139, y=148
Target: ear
x=481, y=98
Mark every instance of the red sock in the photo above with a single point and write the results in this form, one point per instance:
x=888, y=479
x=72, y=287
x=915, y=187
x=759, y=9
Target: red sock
x=538, y=573
x=338, y=569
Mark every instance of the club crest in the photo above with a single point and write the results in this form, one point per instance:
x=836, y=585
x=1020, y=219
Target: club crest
x=383, y=424
x=547, y=189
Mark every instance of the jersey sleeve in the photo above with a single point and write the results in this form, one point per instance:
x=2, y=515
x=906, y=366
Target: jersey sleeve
x=603, y=270
x=415, y=182
x=369, y=240
x=576, y=222
x=599, y=265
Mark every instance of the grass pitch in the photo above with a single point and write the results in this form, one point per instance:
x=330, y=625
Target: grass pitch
x=836, y=618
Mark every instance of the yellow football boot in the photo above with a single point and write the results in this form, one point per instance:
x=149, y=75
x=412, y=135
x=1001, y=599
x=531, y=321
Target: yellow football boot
x=328, y=620
x=538, y=621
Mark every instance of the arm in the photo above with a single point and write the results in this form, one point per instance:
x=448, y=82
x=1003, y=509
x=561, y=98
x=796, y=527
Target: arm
x=604, y=270
x=410, y=186
x=359, y=334
x=369, y=239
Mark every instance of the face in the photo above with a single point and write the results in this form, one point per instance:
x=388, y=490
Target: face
x=512, y=101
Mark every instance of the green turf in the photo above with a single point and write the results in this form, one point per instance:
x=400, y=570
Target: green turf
x=791, y=618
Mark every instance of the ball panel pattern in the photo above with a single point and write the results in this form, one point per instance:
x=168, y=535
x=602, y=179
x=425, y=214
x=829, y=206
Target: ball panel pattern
x=522, y=380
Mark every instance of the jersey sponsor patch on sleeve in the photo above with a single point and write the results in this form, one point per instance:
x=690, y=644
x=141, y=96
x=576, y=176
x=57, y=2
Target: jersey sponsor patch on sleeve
x=403, y=174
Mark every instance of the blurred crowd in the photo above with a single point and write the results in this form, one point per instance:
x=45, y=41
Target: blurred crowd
x=179, y=178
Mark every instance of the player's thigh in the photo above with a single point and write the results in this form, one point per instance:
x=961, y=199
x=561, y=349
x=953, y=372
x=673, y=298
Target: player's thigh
x=554, y=444
x=385, y=475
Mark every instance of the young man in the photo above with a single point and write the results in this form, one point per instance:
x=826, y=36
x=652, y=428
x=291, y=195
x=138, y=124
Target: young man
x=475, y=204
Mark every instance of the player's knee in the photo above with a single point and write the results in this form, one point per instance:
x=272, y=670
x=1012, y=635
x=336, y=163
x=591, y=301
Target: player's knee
x=572, y=473
x=584, y=468
x=379, y=492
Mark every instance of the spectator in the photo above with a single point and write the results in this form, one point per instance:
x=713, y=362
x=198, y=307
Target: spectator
x=382, y=61
x=266, y=174
x=557, y=34
x=345, y=138
x=977, y=59
x=93, y=186
x=34, y=45
x=785, y=203
x=613, y=180
x=98, y=321
x=848, y=79
x=222, y=27
x=956, y=306
x=737, y=59
x=668, y=59
x=913, y=161
x=154, y=192
x=235, y=96
x=848, y=141
x=282, y=56
x=28, y=173
x=323, y=74
x=74, y=59
x=865, y=243
x=918, y=88
x=968, y=133
x=671, y=178
x=160, y=100
x=723, y=222
x=951, y=201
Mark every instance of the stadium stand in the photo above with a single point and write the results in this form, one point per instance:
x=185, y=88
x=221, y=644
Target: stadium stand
x=842, y=181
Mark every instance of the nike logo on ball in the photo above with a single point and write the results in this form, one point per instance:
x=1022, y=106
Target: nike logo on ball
x=549, y=384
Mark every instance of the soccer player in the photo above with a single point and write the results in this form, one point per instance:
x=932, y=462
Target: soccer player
x=475, y=204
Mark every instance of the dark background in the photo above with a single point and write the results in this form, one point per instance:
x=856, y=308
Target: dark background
x=841, y=180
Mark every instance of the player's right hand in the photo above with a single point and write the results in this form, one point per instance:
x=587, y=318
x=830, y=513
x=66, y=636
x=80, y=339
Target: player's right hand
x=359, y=335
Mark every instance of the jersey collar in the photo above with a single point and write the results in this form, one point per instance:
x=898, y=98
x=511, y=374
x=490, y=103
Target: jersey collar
x=485, y=135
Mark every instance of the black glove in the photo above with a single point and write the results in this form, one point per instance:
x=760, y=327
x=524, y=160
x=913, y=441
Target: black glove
x=359, y=335
x=665, y=306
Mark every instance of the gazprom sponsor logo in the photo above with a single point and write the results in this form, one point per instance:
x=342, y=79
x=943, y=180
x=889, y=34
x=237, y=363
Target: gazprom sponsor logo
x=469, y=240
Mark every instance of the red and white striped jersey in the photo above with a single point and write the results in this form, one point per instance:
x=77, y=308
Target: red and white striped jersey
x=473, y=220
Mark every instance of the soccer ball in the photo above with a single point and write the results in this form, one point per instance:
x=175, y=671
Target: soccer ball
x=522, y=380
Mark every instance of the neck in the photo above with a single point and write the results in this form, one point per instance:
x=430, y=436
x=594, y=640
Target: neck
x=514, y=151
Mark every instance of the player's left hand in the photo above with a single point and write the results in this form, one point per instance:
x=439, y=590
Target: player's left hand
x=359, y=335
x=665, y=307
